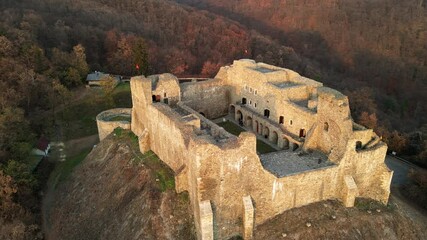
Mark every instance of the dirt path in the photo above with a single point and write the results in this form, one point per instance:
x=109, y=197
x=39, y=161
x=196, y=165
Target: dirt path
x=76, y=146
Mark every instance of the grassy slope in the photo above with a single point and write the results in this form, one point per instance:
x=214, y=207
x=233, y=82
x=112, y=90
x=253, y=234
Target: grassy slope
x=79, y=119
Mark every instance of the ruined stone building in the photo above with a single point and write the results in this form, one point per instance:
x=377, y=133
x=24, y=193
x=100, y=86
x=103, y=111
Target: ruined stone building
x=320, y=152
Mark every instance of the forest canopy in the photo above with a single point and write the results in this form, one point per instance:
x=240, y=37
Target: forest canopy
x=373, y=51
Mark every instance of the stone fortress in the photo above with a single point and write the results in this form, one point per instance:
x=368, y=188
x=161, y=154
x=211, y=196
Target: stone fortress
x=320, y=152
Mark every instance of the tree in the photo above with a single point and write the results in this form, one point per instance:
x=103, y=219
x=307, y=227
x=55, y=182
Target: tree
x=108, y=84
x=7, y=189
x=6, y=47
x=140, y=56
x=14, y=129
x=209, y=68
x=78, y=60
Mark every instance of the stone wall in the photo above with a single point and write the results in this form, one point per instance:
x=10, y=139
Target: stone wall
x=219, y=170
x=200, y=96
x=107, y=126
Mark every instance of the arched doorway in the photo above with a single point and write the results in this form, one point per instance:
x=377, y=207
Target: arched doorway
x=239, y=117
x=248, y=122
x=295, y=147
x=232, y=111
x=285, y=144
x=256, y=127
x=274, y=137
x=260, y=129
x=266, y=132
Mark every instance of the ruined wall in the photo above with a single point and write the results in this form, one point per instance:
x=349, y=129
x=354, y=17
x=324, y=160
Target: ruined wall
x=225, y=183
x=211, y=97
x=165, y=88
x=106, y=125
x=218, y=169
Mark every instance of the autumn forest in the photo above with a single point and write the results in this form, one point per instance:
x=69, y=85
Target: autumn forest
x=375, y=52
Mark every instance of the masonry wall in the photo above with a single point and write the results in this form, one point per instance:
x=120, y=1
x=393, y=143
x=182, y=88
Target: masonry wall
x=106, y=126
x=223, y=172
x=211, y=97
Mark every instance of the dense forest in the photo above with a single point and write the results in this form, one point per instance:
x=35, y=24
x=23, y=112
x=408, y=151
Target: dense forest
x=373, y=51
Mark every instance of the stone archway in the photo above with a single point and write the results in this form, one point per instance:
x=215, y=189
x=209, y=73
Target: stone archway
x=256, y=127
x=232, y=111
x=248, y=122
x=274, y=138
x=285, y=143
x=266, y=132
x=239, y=116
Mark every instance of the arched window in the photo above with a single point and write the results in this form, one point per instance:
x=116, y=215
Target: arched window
x=281, y=120
x=243, y=100
x=266, y=113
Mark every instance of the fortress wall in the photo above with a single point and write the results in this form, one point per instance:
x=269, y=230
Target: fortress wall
x=224, y=183
x=106, y=126
x=225, y=172
x=171, y=142
x=301, y=118
x=141, y=98
x=208, y=97
x=364, y=136
x=370, y=173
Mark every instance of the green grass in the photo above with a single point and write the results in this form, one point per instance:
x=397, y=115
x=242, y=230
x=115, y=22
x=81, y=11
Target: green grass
x=369, y=204
x=263, y=147
x=122, y=87
x=120, y=118
x=34, y=161
x=79, y=120
x=234, y=129
x=162, y=173
x=231, y=128
x=64, y=169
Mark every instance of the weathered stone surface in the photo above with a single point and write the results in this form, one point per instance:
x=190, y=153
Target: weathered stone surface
x=215, y=166
x=350, y=191
x=107, y=126
x=206, y=221
x=248, y=218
